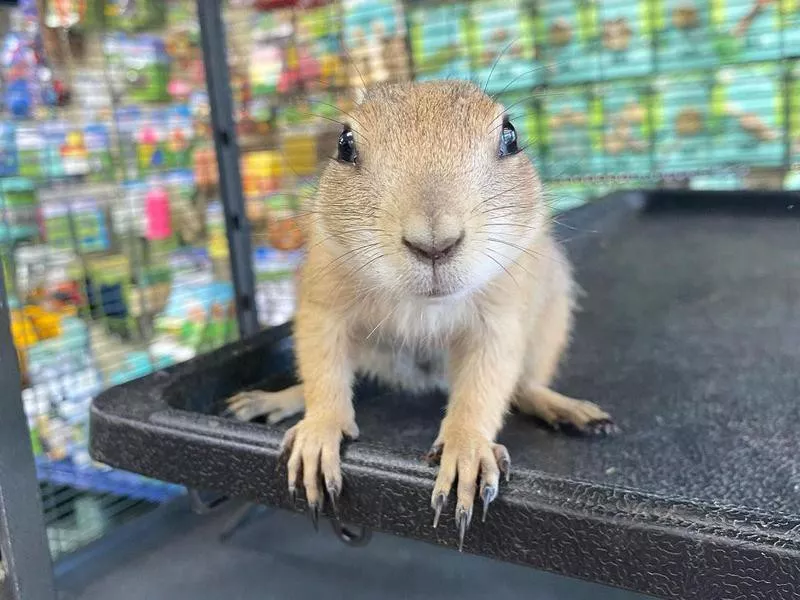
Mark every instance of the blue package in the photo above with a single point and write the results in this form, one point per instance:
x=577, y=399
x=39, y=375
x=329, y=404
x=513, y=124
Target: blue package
x=626, y=38
x=570, y=49
x=682, y=119
x=791, y=27
x=439, y=42
x=571, y=130
x=502, y=51
x=374, y=33
x=747, y=30
x=9, y=160
x=685, y=35
x=748, y=116
x=626, y=129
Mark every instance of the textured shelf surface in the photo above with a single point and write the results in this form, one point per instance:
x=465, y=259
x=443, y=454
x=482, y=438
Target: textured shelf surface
x=689, y=335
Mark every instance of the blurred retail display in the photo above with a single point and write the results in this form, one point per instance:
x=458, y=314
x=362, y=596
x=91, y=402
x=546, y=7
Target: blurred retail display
x=112, y=230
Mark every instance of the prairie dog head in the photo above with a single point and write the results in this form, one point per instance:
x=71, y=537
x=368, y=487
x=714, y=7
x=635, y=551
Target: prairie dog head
x=430, y=195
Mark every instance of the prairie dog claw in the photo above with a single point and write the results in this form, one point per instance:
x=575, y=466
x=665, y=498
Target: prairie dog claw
x=488, y=495
x=438, y=503
x=313, y=448
x=463, y=518
x=468, y=457
x=433, y=455
x=561, y=411
x=313, y=511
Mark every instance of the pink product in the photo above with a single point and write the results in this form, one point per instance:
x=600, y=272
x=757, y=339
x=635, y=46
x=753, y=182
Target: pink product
x=159, y=222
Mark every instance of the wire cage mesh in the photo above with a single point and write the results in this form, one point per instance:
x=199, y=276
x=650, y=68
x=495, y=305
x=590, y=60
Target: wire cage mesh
x=112, y=227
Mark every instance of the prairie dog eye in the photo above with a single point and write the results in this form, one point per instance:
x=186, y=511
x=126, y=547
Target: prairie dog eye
x=346, y=150
x=508, y=139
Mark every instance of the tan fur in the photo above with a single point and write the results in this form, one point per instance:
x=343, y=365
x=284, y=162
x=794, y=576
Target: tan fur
x=489, y=324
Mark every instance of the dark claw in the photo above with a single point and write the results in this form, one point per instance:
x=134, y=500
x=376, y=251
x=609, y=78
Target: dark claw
x=463, y=517
x=313, y=512
x=505, y=467
x=433, y=455
x=602, y=427
x=334, y=491
x=438, y=505
x=503, y=461
x=488, y=495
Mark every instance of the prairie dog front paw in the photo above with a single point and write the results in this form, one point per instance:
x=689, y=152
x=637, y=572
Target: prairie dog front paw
x=467, y=455
x=313, y=449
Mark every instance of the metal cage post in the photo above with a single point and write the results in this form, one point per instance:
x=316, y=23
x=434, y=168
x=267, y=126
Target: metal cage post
x=29, y=571
x=215, y=59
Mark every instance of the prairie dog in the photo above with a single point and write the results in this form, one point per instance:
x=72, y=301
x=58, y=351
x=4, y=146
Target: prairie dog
x=430, y=265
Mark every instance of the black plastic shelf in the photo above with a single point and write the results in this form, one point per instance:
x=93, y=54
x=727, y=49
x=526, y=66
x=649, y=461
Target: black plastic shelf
x=689, y=335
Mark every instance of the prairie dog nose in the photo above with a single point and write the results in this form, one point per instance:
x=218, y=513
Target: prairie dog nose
x=427, y=248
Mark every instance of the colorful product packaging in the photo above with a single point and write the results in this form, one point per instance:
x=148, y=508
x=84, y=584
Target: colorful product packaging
x=572, y=133
x=569, y=30
x=151, y=137
x=140, y=15
x=80, y=214
x=791, y=27
x=65, y=153
x=98, y=148
x=626, y=128
x=275, y=272
x=127, y=211
x=9, y=160
x=746, y=30
x=200, y=316
x=747, y=108
x=440, y=41
x=187, y=215
x=139, y=66
x=30, y=146
x=300, y=154
x=317, y=40
x=204, y=167
x=626, y=29
x=283, y=227
x=685, y=35
x=261, y=172
x=268, y=63
x=374, y=34
x=179, y=137
x=74, y=154
x=682, y=120
x=54, y=134
x=18, y=214
x=217, y=236
x=502, y=35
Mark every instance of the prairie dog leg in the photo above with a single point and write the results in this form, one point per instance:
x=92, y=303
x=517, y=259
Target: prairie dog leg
x=558, y=410
x=534, y=397
x=276, y=406
x=483, y=376
x=312, y=446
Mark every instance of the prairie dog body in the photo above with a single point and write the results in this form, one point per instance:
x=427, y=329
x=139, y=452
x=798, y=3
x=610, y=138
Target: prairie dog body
x=430, y=265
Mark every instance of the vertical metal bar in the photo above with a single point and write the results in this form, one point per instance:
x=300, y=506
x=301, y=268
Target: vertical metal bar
x=212, y=34
x=22, y=536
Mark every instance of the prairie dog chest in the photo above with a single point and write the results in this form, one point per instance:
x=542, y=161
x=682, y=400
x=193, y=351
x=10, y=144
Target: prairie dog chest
x=415, y=323
x=406, y=344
